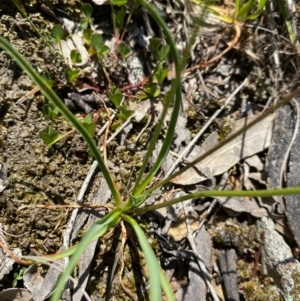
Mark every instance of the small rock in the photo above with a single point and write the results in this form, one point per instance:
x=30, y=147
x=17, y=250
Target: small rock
x=279, y=261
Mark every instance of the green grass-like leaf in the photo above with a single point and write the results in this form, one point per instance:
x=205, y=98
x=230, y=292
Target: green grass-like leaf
x=118, y=2
x=140, y=184
x=151, y=260
x=97, y=229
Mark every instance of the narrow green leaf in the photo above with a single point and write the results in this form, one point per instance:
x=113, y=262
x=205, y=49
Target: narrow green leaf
x=96, y=230
x=166, y=287
x=260, y=8
x=245, y=10
x=50, y=136
x=20, y=7
x=237, y=8
x=118, y=2
x=120, y=16
x=223, y=193
x=141, y=181
x=151, y=260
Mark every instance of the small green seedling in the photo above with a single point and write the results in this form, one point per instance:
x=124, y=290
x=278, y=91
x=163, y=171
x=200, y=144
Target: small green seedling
x=124, y=50
x=243, y=10
x=98, y=44
x=87, y=35
x=18, y=276
x=150, y=90
x=50, y=135
x=124, y=113
x=87, y=11
x=75, y=56
x=51, y=111
x=58, y=33
x=72, y=75
x=160, y=73
x=47, y=78
x=115, y=96
x=162, y=53
x=155, y=43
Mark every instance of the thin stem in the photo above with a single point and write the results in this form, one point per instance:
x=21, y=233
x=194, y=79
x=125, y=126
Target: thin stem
x=216, y=193
x=271, y=110
x=176, y=86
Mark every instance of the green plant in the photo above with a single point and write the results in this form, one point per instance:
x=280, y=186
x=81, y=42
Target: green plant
x=18, y=276
x=241, y=12
x=51, y=136
x=87, y=11
x=130, y=204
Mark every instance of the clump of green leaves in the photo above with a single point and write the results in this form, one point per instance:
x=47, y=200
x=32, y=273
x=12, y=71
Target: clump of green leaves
x=72, y=75
x=116, y=98
x=51, y=136
x=18, y=275
x=243, y=10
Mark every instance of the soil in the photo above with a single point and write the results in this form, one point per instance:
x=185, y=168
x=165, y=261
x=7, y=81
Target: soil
x=35, y=174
